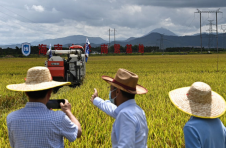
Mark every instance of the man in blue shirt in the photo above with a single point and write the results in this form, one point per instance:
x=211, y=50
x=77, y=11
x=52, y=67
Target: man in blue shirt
x=130, y=127
x=204, y=129
x=35, y=126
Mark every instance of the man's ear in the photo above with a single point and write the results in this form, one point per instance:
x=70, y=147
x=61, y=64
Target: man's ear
x=49, y=93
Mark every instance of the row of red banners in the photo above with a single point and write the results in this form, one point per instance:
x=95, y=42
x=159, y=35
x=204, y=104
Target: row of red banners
x=104, y=48
x=42, y=48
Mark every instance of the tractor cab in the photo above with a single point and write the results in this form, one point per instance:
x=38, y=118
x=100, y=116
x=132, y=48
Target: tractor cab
x=78, y=47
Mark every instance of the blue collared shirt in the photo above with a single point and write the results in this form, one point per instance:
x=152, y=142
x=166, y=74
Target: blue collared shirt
x=130, y=127
x=204, y=133
x=35, y=126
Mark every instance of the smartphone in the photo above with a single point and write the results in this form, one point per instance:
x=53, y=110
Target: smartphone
x=55, y=104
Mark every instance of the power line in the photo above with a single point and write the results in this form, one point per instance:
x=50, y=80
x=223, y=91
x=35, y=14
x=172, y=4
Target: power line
x=40, y=26
x=200, y=12
x=210, y=31
x=191, y=22
x=13, y=22
x=161, y=45
x=109, y=37
x=9, y=15
x=17, y=14
x=114, y=35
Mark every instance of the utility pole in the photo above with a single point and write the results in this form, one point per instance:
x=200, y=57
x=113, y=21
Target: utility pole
x=109, y=38
x=161, y=43
x=114, y=36
x=210, y=31
x=200, y=12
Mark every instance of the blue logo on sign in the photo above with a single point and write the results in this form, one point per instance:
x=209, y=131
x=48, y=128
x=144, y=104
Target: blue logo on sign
x=26, y=49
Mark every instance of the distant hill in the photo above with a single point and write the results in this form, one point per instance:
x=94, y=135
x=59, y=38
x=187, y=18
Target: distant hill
x=162, y=31
x=205, y=33
x=129, y=39
x=151, y=39
x=75, y=39
x=11, y=46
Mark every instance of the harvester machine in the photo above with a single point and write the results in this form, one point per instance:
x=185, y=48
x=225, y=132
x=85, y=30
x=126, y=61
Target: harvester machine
x=72, y=69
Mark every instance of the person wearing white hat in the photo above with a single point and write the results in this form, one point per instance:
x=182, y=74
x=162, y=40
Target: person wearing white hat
x=204, y=129
x=35, y=125
x=130, y=126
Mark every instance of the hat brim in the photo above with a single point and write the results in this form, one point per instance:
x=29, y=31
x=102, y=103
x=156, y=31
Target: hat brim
x=215, y=109
x=36, y=87
x=139, y=89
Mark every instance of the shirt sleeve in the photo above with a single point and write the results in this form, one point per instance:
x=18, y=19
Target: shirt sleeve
x=125, y=130
x=11, y=141
x=10, y=137
x=105, y=106
x=68, y=129
x=191, y=138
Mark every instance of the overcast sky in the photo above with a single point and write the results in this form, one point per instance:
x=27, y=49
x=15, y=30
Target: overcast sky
x=35, y=20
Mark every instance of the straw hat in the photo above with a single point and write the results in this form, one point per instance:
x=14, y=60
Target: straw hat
x=38, y=78
x=198, y=100
x=126, y=81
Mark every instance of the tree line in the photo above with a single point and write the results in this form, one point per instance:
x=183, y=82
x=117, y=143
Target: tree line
x=35, y=50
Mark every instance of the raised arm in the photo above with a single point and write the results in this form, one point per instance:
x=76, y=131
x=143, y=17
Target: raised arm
x=66, y=108
x=105, y=106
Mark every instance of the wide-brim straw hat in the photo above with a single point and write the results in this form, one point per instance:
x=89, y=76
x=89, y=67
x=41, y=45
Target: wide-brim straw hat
x=38, y=78
x=198, y=100
x=126, y=81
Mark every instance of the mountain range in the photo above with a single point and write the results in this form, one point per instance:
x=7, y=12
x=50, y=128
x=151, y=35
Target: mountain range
x=154, y=38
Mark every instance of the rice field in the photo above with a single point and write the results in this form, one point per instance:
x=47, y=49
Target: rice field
x=159, y=74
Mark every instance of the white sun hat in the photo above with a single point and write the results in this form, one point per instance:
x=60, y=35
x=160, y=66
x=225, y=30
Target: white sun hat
x=38, y=78
x=198, y=100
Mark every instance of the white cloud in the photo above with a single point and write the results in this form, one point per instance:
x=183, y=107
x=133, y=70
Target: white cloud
x=38, y=8
x=130, y=18
x=167, y=22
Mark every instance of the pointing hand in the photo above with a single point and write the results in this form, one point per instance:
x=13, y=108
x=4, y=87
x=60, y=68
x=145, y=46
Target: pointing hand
x=95, y=94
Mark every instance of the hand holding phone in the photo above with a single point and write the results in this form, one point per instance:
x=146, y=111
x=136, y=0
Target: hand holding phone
x=66, y=107
x=55, y=104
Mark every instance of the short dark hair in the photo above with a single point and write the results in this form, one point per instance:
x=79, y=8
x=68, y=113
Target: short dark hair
x=127, y=95
x=38, y=94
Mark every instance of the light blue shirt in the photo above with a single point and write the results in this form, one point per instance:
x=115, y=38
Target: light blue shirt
x=35, y=126
x=204, y=133
x=130, y=127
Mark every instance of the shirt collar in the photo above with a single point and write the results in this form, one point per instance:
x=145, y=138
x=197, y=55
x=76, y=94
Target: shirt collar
x=35, y=105
x=123, y=105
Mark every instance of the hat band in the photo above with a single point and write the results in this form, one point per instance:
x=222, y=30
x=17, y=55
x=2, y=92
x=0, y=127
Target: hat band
x=124, y=86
